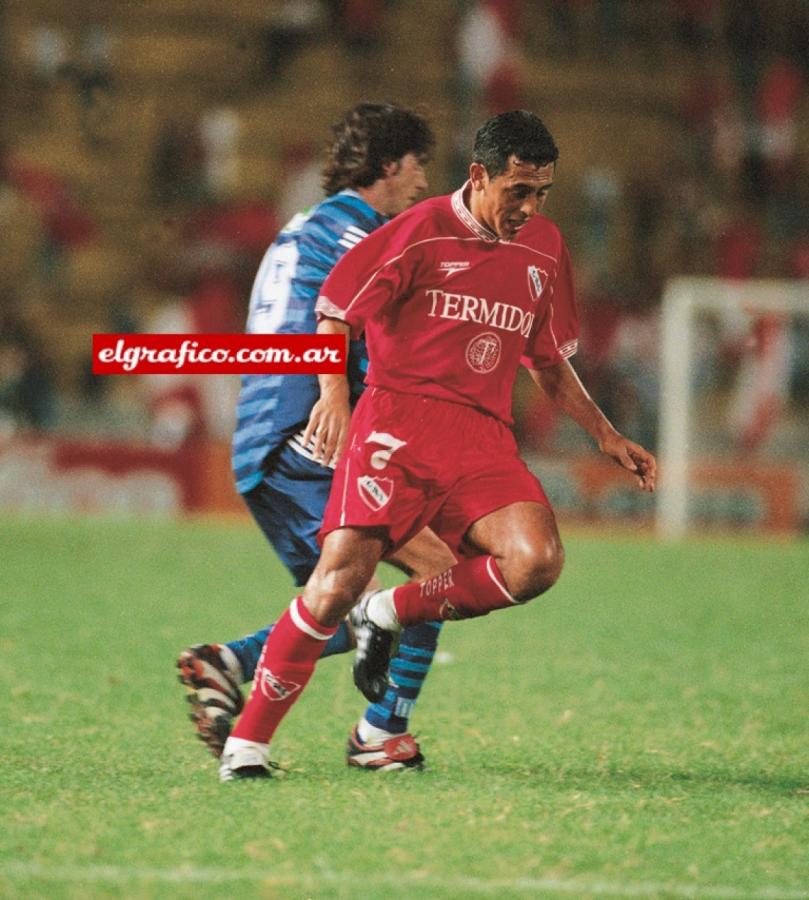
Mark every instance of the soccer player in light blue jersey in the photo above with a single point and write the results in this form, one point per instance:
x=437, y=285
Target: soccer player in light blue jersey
x=374, y=171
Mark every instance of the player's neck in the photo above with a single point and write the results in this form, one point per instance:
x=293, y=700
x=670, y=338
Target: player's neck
x=376, y=197
x=471, y=201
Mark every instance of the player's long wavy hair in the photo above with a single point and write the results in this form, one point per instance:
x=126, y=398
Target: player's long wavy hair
x=370, y=136
x=518, y=133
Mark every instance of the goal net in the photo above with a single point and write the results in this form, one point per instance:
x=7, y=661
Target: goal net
x=734, y=406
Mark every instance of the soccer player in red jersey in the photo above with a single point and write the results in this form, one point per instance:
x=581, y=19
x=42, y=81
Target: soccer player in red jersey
x=452, y=295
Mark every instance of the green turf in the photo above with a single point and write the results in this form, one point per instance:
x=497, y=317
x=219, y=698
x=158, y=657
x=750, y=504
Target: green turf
x=642, y=731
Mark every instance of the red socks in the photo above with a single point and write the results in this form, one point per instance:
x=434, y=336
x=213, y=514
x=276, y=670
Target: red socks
x=472, y=587
x=286, y=665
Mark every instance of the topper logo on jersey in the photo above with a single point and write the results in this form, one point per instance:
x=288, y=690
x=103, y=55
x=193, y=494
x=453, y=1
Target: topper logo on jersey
x=535, y=282
x=466, y=308
x=450, y=268
x=273, y=687
x=375, y=492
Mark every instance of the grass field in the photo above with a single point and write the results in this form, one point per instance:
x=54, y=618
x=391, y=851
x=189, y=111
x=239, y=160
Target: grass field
x=640, y=732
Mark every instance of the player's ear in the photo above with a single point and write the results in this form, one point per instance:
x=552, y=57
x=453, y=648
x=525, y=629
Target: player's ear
x=478, y=176
x=391, y=168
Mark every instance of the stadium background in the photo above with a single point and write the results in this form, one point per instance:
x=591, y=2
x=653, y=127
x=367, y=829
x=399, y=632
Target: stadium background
x=641, y=731
x=151, y=150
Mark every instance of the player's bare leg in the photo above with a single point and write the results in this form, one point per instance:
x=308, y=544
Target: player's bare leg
x=212, y=673
x=524, y=541
x=294, y=646
x=422, y=556
x=347, y=563
x=520, y=557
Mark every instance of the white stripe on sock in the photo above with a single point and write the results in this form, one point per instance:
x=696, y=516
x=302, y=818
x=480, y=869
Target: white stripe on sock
x=496, y=580
x=298, y=621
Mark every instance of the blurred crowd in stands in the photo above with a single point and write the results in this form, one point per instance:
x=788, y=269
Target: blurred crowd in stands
x=731, y=199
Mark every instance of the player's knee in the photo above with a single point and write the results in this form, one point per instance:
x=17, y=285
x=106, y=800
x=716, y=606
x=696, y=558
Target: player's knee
x=534, y=568
x=329, y=597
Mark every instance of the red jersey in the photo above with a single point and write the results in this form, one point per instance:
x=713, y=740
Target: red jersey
x=449, y=311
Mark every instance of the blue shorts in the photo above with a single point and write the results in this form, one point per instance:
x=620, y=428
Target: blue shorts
x=288, y=506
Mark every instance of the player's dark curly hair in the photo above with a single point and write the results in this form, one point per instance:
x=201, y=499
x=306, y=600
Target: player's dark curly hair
x=518, y=132
x=367, y=138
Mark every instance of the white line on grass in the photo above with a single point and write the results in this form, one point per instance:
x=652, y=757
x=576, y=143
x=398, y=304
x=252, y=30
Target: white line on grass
x=576, y=886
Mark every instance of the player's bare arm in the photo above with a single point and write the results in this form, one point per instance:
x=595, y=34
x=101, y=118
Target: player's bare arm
x=563, y=386
x=330, y=416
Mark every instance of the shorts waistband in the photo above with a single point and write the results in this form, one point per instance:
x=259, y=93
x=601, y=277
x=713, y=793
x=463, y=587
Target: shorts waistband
x=438, y=412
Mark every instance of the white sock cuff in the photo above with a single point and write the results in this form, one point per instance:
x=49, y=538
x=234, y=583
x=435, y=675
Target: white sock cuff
x=381, y=610
x=302, y=625
x=235, y=744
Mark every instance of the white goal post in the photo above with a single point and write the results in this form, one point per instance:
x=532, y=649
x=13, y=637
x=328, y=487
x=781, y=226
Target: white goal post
x=683, y=300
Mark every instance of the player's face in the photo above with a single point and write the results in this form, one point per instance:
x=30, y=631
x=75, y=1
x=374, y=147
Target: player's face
x=506, y=202
x=405, y=182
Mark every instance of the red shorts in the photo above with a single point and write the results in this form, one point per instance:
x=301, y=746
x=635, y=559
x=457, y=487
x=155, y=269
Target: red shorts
x=414, y=461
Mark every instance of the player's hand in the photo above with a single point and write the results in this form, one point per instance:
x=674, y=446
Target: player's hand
x=632, y=457
x=328, y=425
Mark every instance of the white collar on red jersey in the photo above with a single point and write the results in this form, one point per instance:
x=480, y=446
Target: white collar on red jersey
x=461, y=210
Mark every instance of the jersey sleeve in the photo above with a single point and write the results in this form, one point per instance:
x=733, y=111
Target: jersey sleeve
x=556, y=334
x=373, y=276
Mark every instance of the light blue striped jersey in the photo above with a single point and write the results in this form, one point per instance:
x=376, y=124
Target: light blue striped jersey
x=272, y=408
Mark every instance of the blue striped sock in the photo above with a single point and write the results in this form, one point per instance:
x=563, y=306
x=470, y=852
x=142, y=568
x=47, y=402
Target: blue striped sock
x=408, y=669
x=249, y=648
